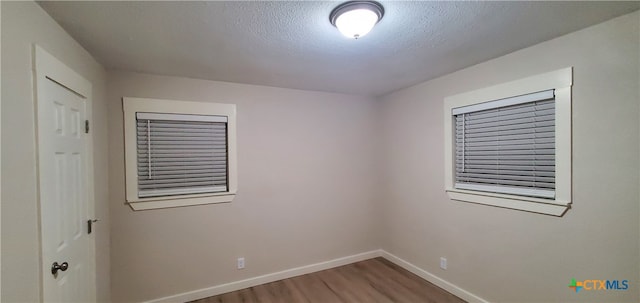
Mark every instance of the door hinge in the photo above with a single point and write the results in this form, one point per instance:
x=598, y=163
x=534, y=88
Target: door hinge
x=86, y=126
x=90, y=225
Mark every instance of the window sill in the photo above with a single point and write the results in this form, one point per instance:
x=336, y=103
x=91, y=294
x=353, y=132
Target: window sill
x=150, y=203
x=535, y=205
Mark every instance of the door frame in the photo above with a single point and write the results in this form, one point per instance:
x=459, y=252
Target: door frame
x=48, y=68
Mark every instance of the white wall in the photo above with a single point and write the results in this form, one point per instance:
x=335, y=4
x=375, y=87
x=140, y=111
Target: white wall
x=505, y=255
x=25, y=23
x=306, y=189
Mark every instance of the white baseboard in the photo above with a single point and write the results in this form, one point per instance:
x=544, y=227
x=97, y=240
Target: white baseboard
x=293, y=272
x=446, y=285
x=285, y=274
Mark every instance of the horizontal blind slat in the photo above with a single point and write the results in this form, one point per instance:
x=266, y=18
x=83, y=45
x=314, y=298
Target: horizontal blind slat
x=532, y=173
x=512, y=157
x=182, y=147
x=523, y=183
x=508, y=167
x=178, y=175
x=508, y=177
x=182, y=168
x=533, y=142
x=514, y=127
x=536, y=147
x=504, y=163
x=508, y=131
x=512, y=118
x=159, y=174
x=183, y=180
x=507, y=137
x=527, y=123
x=189, y=125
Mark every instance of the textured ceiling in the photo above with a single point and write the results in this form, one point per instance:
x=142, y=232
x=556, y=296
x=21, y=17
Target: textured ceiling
x=293, y=45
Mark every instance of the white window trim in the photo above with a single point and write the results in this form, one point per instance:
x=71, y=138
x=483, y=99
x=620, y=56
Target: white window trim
x=560, y=81
x=133, y=105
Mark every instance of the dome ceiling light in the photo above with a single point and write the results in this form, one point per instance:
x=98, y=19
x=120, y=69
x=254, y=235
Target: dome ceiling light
x=355, y=19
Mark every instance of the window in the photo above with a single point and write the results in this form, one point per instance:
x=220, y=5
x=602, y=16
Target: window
x=178, y=153
x=507, y=146
x=510, y=145
x=181, y=154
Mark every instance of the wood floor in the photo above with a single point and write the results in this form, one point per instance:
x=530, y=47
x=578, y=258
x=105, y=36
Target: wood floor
x=375, y=280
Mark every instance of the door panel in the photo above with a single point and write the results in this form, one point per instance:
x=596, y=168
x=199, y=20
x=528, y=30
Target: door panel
x=64, y=210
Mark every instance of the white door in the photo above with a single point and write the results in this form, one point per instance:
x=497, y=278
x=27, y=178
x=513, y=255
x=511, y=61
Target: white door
x=68, y=268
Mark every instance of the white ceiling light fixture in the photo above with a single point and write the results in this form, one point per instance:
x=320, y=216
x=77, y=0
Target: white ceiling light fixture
x=355, y=19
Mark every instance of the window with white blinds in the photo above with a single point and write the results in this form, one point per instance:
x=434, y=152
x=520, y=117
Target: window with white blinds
x=181, y=154
x=507, y=146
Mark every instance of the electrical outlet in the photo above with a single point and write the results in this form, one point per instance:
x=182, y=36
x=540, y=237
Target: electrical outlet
x=240, y=263
x=443, y=263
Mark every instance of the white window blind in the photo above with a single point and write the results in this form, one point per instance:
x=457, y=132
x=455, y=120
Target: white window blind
x=507, y=146
x=181, y=154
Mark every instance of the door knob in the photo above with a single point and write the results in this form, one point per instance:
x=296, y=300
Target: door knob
x=55, y=267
